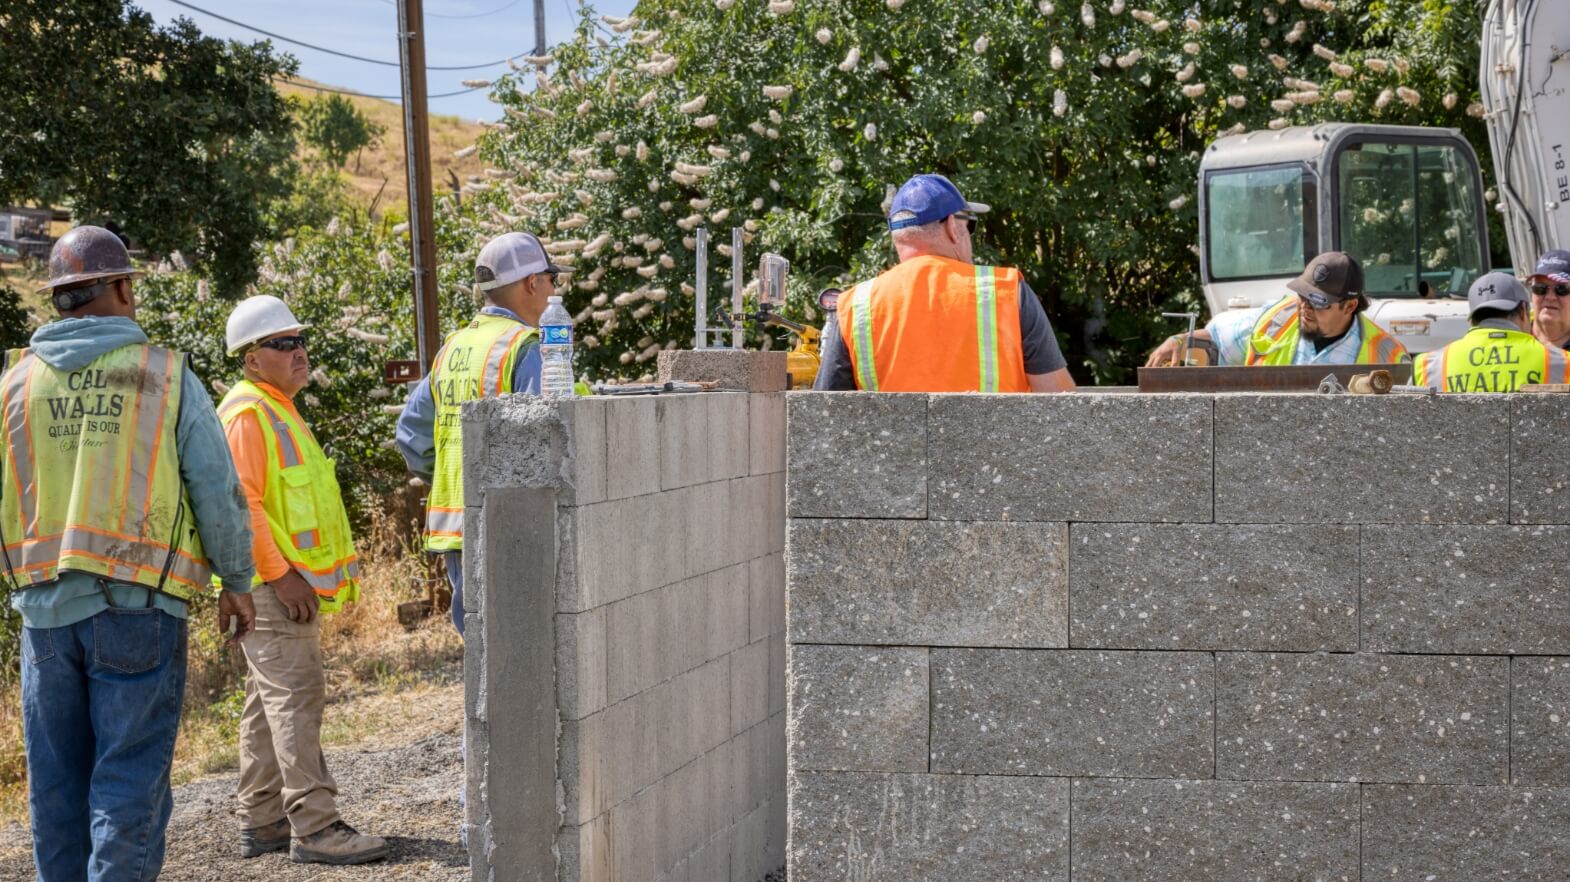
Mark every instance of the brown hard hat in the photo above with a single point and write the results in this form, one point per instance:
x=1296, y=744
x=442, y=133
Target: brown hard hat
x=86, y=253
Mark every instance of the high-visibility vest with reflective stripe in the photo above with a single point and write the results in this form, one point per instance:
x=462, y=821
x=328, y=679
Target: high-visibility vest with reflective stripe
x=1491, y=360
x=1276, y=338
x=91, y=472
x=475, y=362
x=932, y=324
x=304, y=506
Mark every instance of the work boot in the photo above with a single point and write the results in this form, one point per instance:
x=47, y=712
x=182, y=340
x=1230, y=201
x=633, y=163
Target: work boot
x=257, y=841
x=337, y=843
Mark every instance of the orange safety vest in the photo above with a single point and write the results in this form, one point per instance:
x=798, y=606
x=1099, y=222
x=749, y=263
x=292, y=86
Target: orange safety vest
x=933, y=324
x=1276, y=336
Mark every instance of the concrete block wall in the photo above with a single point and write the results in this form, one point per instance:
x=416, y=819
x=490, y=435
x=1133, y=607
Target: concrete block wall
x=1182, y=637
x=625, y=649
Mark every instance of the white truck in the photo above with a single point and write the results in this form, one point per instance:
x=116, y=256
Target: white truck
x=1407, y=202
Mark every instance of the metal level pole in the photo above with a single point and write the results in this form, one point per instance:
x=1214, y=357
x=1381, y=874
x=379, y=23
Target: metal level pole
x=736, y=284
x=701, y=307
x=417, y=159
x=539, y=27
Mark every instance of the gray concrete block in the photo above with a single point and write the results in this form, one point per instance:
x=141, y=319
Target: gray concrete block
x=1540, y=721
x=1474, y=589
x=633, y=838
x=711, y=862
x=691, y=613
x=1083, y=457
x=635, y=645
x=749, y=686
x=766, y=433
x=928, y=583
x=715, y=527
x=765, y=596
x=582, y=656
x=632, y=448
x=1217, y=831
x=1203, y=586
x=587, y=448
x=730, y=435
x=728, y=610
x=858, y=708
x=777, y=668
x=626, y=547
x=865, y=825
x=587, y=852
x=1539, y=481
x=856, y=455
x=736, y=370
x=774, y=515
x=687, y=440
x=749, y=841
x=514, y=441
x=1385, y=718
x=1421, y=833
x=1031, y=712
x=1271, y=464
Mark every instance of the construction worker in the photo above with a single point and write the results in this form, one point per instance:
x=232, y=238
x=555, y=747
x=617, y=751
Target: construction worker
x=118, y=503
x=1550, y=284
x=1321, y=322
x=305, y=566
x=937, y=322
x=497, y=353
x=1499, y=353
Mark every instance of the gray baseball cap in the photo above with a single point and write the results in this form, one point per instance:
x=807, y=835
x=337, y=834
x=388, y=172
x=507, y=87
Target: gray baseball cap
x=510, y=257
x=1495, y=291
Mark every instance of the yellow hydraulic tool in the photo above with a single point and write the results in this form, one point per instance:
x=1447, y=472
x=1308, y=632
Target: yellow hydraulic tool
x=801, y=362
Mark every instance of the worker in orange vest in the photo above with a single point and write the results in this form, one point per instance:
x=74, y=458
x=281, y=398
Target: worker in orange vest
x=938, y=322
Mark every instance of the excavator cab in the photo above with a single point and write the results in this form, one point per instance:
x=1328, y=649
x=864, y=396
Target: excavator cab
x=1407, y=202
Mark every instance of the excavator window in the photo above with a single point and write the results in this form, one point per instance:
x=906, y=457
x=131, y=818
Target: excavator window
x=1262, y=221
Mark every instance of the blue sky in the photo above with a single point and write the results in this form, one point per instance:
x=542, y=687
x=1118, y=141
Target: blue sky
x=369, y=28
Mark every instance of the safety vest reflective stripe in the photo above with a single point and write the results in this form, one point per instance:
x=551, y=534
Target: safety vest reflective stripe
x=496, y=360
x=18, y=378
x=37, y=558
x=149, y=423
x=289, y=447
x=1382, y=348
x=987, y=327
x=861, y=322
x=444, y=521
x=307, y=540
x=1274, y=327
x=1558, y=366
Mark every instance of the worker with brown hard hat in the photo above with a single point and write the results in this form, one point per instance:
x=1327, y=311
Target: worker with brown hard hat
x=306, y=566
x=118, y=503
x=1550, y=285
x=938, y=322
x=1499, y=353
x=1323, y=321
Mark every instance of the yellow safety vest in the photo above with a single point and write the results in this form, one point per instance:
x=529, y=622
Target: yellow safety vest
x=90, y=477
x=475, y=362
x=1276, y=337
x=1490, y=360
x=304, y=507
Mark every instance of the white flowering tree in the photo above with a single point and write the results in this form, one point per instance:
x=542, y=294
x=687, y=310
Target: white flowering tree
x=1081, y=123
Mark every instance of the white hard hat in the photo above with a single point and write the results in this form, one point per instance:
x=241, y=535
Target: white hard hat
x=257, y=317
x=510, y=257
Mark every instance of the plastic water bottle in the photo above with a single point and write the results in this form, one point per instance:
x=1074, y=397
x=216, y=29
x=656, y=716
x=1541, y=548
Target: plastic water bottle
x=556, y=351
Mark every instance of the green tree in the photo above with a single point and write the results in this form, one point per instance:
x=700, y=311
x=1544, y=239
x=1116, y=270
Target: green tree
x=178, y=137
x=336, y=128
x=1081, y=123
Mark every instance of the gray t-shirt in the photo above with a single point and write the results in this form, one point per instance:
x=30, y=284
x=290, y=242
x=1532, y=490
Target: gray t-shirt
x=1042, y=355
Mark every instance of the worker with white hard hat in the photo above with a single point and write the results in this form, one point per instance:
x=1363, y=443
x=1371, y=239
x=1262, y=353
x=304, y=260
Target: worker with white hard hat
x=497, y=353
x=305, y=565
x=118, y=505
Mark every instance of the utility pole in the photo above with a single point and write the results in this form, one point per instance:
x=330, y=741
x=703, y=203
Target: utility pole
x=417, y=156
x=539, y=27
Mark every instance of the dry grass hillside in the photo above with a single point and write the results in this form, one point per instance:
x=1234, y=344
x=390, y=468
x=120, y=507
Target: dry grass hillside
x=384, y=162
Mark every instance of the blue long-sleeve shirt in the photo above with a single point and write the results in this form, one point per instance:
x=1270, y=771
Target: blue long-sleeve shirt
x=217, y=502
x=416, y=432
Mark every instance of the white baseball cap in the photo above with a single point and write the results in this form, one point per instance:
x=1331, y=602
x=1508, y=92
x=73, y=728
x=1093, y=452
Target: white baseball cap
x=510, y=257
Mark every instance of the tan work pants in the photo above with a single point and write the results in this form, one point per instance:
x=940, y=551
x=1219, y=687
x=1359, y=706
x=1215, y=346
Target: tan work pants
x=282, y=770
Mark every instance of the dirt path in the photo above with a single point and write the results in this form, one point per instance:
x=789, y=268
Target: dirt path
x=401, y=781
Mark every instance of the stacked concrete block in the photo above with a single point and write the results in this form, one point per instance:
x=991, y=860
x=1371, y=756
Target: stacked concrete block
x=1128, y=638
x=625, y=649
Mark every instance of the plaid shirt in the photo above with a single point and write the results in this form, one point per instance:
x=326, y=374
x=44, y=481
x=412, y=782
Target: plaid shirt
x=1231, y=331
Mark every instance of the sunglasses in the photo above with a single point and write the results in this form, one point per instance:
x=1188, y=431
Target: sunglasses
x=284, y=344
x=1542, y=290
x=969, y=219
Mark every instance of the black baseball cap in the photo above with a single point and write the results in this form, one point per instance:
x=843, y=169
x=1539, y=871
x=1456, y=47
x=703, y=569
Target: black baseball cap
x=1329, y=278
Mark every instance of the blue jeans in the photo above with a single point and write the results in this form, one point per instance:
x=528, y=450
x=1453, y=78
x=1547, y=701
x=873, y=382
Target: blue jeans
x=101, y=706
x=452, y=562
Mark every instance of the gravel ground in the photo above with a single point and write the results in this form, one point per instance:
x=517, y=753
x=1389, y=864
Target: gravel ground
x=404, y=788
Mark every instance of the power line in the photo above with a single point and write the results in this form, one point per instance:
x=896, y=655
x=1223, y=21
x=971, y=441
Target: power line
x=241, y=24
x=475, y=15
x=363, y=95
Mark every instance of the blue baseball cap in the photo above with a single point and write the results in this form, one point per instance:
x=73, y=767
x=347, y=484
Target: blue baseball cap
x=1554, y=266
x=927, y=198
